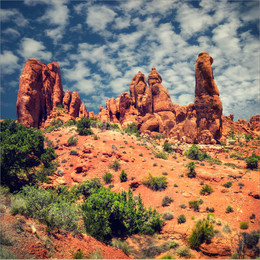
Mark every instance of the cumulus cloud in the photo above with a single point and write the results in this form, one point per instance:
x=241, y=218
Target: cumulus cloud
x=98, y=17
x=13, y=15
x=8, y=62
x=56, y=15
x=10, y=32
x=31, y=48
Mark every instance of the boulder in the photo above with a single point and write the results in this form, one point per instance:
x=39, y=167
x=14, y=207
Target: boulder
x=217, y=246
x=254, y=123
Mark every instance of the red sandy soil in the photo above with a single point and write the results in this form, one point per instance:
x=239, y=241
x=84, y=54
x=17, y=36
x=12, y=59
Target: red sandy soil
x=136, y=157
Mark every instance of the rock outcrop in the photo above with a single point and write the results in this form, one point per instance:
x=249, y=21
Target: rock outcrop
x=151, y=107
x=208, y=105
x=40, y=91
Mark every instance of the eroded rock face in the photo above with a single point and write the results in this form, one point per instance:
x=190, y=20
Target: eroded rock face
x=66, y=101
x=208, y=105
x=161, y=100
x=83, y=112
x=75, y=104
x=254, y=123
x=40, y=91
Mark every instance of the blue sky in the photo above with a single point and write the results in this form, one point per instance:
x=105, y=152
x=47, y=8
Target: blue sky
x=101, y=45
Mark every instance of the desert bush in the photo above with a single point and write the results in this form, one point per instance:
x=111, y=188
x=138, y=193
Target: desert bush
x=167, y=147
x=227, y=184
x=161, y=155
x=218, y=221
x=115, y=165
x=226, y=228
x=183, y=206
x=89, y=187
x=123, y=176
x=166, y=201
x=167, y=257
x=206, y=190
x=208, y=209
x=183, y=252
x=72, y=141
x=203, y=231
x=71, y=122
x=191, y=173
x=231, y=133
x=121, y=215
x=155, y=183
x=95, y=137
x=194, y=204
x=195, y=154
x=243, y=225
x=120, y=244
x=21, y=150
x=4, y=239
x=229, y=209
x=167, y=215
x=181, y=219
x=132, y=129
x=248, y=137
x=83, y=126
x=108, y=177
x=252, y=162
x=73, y=152
x=54, y=124
x=48, y=208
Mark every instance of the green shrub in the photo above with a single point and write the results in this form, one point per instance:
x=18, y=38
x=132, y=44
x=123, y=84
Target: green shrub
x=208, y=209
x=231, y=133
x=72, y=141
x=5, y=240
x=123, y=176
x=95, y=137
x=167, y=257
x=79, y=254
x=121, y=244
x=203, y=231
x=54, y=124
x=184, y=252
x=108, y=214
x=73, y=152
x=206, y=190
x=244, y=225
x=48, y=208
x=167, y=215
x=229, y=209
x=115, y=165
x=155, y=183
x=132, y=129
x=227, y=184
x=166, y=201
x=83, y=126
x=248, y=137
x=252, y=162
x=183, y=206
x=161, y=155
x=195, y=154
x=226, y=228
x=191, y=166
x=181, y=219
x=71, y=122
x=108, y=177
x=167, y=147
x=21, y=149
x=194, y=204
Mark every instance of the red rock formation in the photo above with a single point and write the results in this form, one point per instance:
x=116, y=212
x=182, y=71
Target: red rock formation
x=83, y=112
x=254, y=123
x=207, y=102
x=74, y=104
x=161, y=100
x=66, y=101
x=40, y=90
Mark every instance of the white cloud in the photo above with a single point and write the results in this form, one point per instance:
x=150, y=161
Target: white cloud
x=122, y=22
x=193, y=20
x=8, y=15
x=11, y=32
x=31, y=48
x=8, y=62
x=56, y=14
x=98, y=17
